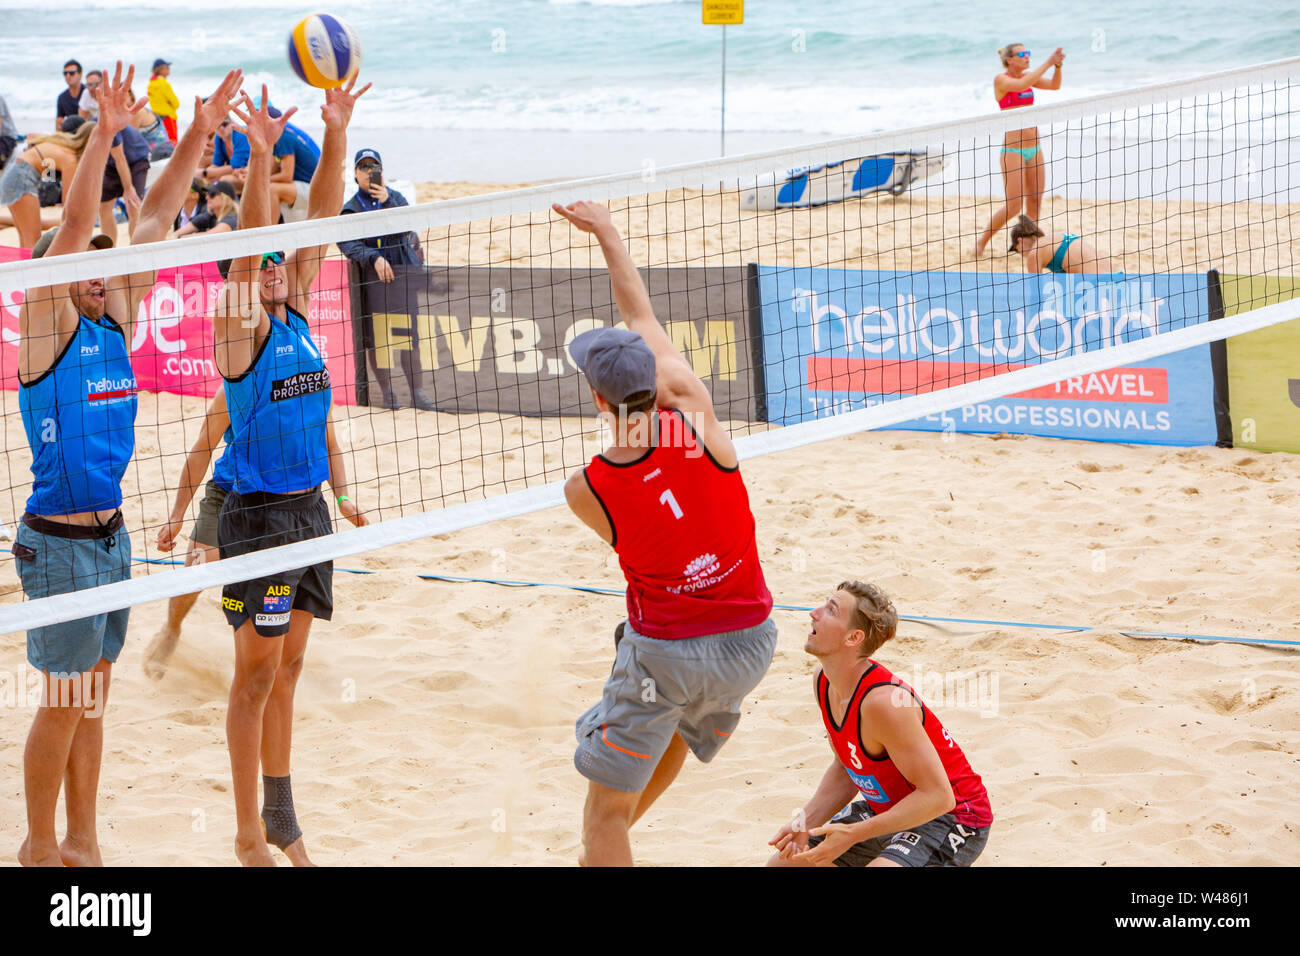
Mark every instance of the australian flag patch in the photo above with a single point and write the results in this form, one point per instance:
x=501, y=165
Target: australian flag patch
x=276, y=603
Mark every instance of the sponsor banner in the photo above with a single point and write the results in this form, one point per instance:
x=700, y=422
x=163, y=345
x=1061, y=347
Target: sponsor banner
x=480, y=339
x=1263, y=368
x=837, y=340
x=172, y=344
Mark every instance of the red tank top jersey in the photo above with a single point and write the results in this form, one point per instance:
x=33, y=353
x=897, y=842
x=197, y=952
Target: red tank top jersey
x=877, y=778
x=1017, y=98
x=684, y=536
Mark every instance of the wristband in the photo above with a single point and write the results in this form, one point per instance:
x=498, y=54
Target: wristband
x=343, y=498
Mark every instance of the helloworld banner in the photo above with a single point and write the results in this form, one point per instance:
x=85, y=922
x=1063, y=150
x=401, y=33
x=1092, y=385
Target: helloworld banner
x=172, y=344
x=837, y=340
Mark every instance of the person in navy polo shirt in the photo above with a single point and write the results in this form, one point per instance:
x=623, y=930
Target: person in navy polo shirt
x=77, y=397
x=392, y=275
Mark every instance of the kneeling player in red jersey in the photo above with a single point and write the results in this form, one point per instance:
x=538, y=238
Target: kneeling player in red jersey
x=920, y=803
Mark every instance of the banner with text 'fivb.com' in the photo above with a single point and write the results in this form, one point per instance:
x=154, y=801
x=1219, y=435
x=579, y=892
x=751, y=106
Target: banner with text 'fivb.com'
x=836, y=340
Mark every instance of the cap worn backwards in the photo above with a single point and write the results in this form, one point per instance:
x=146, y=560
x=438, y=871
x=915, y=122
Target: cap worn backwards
x=617, y=363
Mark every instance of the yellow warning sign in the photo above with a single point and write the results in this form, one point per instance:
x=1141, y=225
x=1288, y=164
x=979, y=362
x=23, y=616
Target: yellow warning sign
x=724, y=12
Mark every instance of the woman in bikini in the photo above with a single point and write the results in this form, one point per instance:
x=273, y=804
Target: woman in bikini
x=1022, y=157
x=21, y=181
x=1060, y=254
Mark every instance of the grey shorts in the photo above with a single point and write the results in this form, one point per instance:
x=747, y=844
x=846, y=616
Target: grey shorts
x=204, y=530
x=49, y=564
x=941, y=842
x=693, y=687
x=19, y=179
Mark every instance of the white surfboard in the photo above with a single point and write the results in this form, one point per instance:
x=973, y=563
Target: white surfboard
x=834, y=182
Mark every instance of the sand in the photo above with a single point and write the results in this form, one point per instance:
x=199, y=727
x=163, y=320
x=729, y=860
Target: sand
x=434, y=720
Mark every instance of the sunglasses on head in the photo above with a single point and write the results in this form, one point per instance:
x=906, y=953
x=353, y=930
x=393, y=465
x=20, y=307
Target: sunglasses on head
x=273, y=257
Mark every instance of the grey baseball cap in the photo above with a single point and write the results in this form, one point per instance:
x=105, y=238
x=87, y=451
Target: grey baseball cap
x=617, y=363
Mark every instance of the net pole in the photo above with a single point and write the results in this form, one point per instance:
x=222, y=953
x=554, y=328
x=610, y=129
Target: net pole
x=722, y=146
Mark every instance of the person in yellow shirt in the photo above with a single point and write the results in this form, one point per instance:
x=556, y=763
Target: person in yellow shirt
x=162, y=98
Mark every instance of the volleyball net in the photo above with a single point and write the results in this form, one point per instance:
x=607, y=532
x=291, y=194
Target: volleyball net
x=818, y=291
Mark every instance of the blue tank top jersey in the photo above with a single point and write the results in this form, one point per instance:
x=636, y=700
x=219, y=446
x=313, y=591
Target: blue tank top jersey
x=80, y=422
x=279, y=410
x=223, y=472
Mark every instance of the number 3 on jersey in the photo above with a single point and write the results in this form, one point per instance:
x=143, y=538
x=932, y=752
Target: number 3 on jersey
x=853, y=756
x=667, y=499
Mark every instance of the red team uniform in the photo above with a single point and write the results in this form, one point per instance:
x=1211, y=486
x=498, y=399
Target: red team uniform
x=953, y=839
x=699, y=633
x=684, y=536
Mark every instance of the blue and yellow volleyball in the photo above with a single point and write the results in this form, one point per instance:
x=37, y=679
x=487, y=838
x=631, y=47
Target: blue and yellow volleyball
x=324, y=51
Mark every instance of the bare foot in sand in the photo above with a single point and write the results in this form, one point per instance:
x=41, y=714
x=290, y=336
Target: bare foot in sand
x=297, y=853
x=39, y=855
x=253, y=852
x=76, y=852
x=159, y=652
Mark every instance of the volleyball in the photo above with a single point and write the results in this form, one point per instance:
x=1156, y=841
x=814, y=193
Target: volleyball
x=324, y=51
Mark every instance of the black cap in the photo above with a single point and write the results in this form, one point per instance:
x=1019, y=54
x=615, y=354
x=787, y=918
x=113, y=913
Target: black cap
x=223, y=187
x=160, y=62
x=367, y=153
x=71, y=124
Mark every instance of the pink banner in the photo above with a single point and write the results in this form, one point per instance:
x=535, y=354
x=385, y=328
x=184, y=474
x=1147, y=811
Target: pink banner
x=172, y=347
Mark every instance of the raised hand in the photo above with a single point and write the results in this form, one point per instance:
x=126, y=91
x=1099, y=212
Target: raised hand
x=262, y=129
x=586, y=216
x=337, y=111
x=209, y=113
x=116, y=111
x=1057, y=57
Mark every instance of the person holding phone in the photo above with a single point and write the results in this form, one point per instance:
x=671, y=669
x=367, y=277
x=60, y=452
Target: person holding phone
x=392, y=273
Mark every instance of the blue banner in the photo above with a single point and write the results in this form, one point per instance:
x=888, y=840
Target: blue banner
x=836, y=340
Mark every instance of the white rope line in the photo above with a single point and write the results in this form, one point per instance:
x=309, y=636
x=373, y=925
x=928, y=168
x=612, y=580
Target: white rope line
x=17, y=276
x=109, y=597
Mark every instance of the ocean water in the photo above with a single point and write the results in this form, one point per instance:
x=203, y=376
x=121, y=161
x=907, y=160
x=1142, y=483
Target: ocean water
x=797, y=70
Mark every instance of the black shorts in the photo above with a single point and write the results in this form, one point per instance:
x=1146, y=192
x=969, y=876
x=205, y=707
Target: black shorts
x=256, y=521
x=113, y=188
x=941, y=842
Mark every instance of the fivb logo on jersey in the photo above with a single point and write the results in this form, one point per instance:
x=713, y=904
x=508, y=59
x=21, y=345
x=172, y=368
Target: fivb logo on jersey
x=75, y=909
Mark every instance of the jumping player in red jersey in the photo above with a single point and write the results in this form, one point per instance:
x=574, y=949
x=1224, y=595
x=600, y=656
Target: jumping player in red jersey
x=668, y=496
x=920, y=802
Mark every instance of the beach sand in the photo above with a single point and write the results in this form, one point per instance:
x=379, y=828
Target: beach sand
x=435, y=720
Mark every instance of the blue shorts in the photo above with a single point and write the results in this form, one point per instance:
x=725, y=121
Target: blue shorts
x=18, y=180
x=50, y=564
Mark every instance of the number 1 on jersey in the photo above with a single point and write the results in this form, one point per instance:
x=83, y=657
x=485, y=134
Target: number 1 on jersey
x=667, y=499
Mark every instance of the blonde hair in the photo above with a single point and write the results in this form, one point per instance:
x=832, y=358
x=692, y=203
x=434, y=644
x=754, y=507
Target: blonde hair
x=74, y=141
x=873, y=614
x=1004, y=54
x=234, y=204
